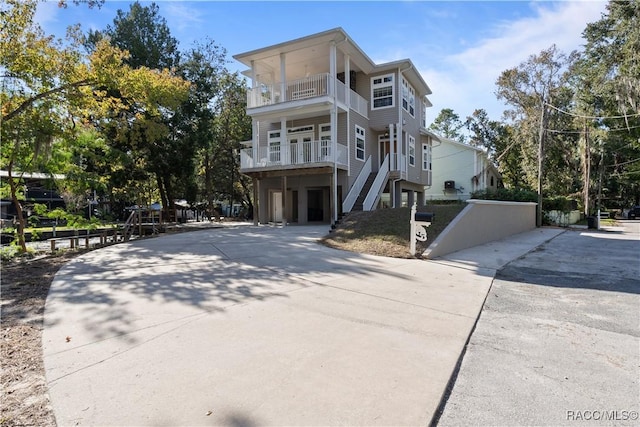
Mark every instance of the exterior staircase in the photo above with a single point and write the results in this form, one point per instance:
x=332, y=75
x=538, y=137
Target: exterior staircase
x=357, y=206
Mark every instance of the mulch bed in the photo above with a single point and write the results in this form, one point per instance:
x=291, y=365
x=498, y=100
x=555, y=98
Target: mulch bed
x=23, y=291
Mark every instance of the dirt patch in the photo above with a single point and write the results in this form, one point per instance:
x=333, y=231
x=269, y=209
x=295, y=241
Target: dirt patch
x=386, y=232
x=23, y=292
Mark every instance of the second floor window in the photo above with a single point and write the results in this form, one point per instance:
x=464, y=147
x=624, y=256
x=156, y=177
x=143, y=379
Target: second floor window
x=382, y=91
x=408, y=98
x=424, y=114
x=412, y=151
x=359, y=143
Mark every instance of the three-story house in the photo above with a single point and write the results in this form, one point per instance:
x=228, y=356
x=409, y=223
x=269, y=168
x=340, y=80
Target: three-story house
x=332, y=130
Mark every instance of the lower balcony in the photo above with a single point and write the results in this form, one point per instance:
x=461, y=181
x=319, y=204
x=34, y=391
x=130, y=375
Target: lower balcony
x=303, y=154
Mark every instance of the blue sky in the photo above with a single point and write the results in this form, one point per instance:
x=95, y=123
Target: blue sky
x=460, y=48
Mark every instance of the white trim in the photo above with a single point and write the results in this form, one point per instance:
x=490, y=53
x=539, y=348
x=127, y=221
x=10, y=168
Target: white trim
x=300, y=129
x=386, y=80
x=412, y=144
x=408, y=96
x=274, y=140
x=361, y=135
x=426, y=156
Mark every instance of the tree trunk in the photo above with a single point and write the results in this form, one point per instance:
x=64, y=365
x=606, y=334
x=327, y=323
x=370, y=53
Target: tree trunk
x=19, y=212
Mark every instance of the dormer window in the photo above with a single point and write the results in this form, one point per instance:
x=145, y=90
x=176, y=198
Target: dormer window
x=382, y=91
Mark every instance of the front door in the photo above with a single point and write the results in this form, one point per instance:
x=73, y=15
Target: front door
x=300, y=148
x=276, y=206
x=385, y=147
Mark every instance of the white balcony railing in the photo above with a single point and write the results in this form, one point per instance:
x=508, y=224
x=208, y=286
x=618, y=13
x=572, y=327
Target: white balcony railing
x=302, y=153
x=305, y=88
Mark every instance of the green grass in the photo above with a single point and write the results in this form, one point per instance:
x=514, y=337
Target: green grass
x=385, y=232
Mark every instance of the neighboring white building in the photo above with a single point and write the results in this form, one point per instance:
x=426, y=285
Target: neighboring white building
x=332, y=130
x=459, y=170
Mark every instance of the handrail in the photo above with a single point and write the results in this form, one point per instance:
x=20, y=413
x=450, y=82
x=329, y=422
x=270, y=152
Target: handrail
x=361, y=179
x=128, y=225
x=378, y=184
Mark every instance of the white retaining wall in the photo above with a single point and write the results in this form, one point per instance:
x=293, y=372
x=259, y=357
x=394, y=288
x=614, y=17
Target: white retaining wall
x=483, y=221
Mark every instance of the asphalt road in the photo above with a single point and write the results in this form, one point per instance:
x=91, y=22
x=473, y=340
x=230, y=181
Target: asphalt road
x=558, y=340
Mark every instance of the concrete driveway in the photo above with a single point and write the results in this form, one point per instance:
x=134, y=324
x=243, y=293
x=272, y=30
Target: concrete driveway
x=257, y=326
x=558, y=340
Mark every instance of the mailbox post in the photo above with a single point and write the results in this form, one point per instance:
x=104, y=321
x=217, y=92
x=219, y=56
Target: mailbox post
x=419, y=223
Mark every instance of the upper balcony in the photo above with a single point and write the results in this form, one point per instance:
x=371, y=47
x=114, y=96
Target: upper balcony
x=319, y=86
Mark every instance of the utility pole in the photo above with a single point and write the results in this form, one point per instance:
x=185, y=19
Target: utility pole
x=541, y=133
x=587, y=169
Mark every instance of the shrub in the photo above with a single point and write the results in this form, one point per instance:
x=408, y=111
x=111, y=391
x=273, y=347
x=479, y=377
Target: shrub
x=559, y=203
x=506, y=194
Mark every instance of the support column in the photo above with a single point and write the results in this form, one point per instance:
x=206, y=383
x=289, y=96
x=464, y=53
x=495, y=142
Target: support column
x=332, y=69
x=347, y=82
x=283, y=77
x=397, y=194
x=256, y=205
x=255, y=131
x=411, y=198
x=284, y=147
x=392, y=148
x=421, y=198
x=334, y=150
x=284, y=201
x=332, y=197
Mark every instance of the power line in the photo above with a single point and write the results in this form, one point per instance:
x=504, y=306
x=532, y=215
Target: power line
x=591, y=117
x=624, y=163
x=581, y=131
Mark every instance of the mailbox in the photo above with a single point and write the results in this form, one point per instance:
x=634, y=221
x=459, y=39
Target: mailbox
x=419, y=223
x=424, y=216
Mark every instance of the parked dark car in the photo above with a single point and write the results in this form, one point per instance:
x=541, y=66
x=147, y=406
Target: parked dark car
x=634, y=213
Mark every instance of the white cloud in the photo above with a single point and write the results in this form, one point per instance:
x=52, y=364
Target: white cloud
x=46, y=13
x=465, y=81
x=181, y=16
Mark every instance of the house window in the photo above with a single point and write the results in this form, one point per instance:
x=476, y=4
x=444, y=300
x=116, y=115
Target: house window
x=426, y=157
x=424, y=114
x=382, y=91
x=492, y=181
x=408, y=98
x=412, y=151
x=359, y=143
x=325, y=140
x=274, y=146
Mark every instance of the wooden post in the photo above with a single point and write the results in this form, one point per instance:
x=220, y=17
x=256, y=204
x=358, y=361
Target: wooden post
x=53, y=245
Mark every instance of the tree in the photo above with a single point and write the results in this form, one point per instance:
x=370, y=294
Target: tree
x=607, y=82
x=144, y=33
x=231, y=126
x=531, y=89
x=448, y=124
x=152, y=140
x=49, y=87
x=203, y=66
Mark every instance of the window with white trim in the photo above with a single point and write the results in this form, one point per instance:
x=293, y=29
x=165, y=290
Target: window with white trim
x=408, y=97
x=360, y=143
x=382, y=91
x=412, y=151
x=274, y=146
x=325, y=140
x=426, y=157
x=424, y=113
